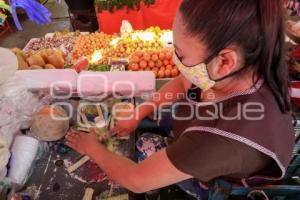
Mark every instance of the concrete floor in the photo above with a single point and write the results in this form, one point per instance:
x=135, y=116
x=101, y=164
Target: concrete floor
x=60, y=21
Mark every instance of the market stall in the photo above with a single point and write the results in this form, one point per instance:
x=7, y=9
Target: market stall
x=148, y=50
x=69, y=81
x=63, y=71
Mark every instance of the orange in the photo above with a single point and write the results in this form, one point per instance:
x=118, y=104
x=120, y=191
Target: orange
x=155, y=57
x=175, y=72
x=143, y=64
x=135, y=59
x=146, y=56
x=158, y=63
x=151, y=64
x=168, y=73
x=161, y=74
x=169, y=55
x=135, y=67
x=169, y=67
x=155, y=69
x=166, y=62
x=162, y=56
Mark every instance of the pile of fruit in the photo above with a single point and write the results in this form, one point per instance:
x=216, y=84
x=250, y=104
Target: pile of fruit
x=86, y=45
x=144, y=49
x=113, y=46
x=159, y=62
x=44, y=59
x=64, y=43
x=148, y=40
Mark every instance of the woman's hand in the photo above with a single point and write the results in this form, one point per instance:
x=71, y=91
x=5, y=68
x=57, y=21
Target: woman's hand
x=123, y=128
x=83, y=143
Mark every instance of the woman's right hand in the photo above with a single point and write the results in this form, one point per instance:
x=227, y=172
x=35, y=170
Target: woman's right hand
x=124, y=128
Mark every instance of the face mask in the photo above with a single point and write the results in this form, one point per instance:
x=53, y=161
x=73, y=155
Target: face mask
x=198, y=74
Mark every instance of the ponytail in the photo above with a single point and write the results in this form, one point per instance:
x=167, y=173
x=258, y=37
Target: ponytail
x=273, y=66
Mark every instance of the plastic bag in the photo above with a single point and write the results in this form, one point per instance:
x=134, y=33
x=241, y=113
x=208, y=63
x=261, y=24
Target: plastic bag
x=24, y=102
x=35, y=11
x=3, y=5
x=8, y=64
x=4, y=157
x=17, y=104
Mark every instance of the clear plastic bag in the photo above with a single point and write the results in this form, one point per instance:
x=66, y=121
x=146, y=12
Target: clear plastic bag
x=4, y=157
x=17, y=107
x=20, y=103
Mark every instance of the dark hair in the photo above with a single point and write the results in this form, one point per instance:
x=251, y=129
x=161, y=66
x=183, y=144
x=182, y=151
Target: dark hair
x=257, y=26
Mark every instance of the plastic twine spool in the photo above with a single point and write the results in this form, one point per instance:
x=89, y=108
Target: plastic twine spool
x=24, y=153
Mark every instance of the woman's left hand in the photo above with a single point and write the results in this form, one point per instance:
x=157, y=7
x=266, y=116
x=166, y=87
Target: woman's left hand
x=83, y=143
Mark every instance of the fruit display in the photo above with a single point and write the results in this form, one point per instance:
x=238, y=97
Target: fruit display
x=140, y=41
x=65, y=44
x=159, y=62
x=118, y=46
x=146, y=50
x=44, y=59
x=86, y=45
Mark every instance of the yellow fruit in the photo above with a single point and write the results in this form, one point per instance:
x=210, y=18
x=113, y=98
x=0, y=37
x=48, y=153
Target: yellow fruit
x=23, y=65
x=19, y=51
x=36, y=60
x=56, y=60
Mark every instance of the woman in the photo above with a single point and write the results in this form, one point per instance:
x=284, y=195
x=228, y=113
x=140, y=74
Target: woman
x=235, y=121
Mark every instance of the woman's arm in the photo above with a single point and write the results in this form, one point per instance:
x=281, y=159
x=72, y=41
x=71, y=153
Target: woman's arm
x=153, y=173
x=170, y=93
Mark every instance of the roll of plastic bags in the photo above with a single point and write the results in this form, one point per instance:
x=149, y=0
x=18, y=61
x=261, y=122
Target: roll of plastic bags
x=35, y=11
x=24, y=152
x=4, y=157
